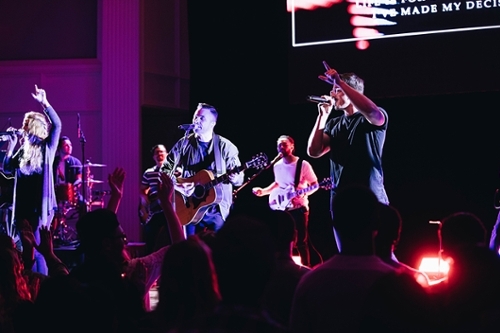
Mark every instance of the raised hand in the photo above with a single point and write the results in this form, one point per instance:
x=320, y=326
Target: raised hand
x=46, y=246
x=41, y=96
x=116, y=180
x=26, y=234
x=331, y=76
x=165, y=188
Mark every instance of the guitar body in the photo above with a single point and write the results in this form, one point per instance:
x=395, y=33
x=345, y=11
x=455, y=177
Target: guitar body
x=192, y=209
x=146, y=212
x=280, y=198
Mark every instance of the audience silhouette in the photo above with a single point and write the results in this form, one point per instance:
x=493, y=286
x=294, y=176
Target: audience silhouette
x=471, y=293
x=242, y=278
x=188, y=289
x=331, y=297
x=387, y=239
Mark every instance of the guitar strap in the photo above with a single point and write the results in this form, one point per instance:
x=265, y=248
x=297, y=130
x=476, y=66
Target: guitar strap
x=220, y=168
x=297, y=172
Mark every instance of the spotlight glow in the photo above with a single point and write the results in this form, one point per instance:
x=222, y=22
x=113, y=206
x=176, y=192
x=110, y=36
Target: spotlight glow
x=434, y=265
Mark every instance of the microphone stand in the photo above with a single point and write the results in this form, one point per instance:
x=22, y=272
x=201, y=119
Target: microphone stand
x=84, y=170
x=276, y=159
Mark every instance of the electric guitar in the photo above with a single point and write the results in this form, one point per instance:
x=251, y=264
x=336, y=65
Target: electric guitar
x=146, y=212
x=280, y=198
x=191, y=209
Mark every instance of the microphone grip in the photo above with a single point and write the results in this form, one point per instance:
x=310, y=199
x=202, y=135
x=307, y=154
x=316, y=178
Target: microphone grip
x=186, y=127
x=12, y=132
x=317, y=99
x=275, y=160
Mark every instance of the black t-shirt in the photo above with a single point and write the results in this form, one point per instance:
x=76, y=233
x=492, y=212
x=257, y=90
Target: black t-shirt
x=356, y=152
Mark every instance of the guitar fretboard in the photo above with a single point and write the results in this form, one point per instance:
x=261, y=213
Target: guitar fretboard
x=223, y=178
x=304, y=190
x=309, y=188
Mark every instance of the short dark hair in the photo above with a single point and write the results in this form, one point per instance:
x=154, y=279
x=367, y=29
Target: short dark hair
x=95, y=226
x=242, y=244
x=152, y=150
x=62, y=139
x=353, y=81
x=281, y=226
x=463, y=228
x=210, y=108
x=389, y=225
x=287, y=137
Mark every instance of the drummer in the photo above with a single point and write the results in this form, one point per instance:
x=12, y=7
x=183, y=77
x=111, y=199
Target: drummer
x=67, y=173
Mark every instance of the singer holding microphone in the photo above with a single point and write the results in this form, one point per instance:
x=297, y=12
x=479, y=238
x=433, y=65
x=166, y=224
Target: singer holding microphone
x=292, y=173
x=205, y=150
x=34, y=195
x=354, y=140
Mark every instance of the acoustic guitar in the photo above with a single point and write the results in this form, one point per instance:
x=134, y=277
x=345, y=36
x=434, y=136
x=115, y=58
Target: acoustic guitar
x=207, y=190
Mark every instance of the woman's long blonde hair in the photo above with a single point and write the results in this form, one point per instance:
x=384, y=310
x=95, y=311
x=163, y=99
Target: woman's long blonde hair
x=31, y=159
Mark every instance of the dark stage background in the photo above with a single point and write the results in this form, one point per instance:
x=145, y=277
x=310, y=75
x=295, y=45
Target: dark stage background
x=441, y=93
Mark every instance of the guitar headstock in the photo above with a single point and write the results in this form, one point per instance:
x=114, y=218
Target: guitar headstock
x=326, y=183
x=258, y=161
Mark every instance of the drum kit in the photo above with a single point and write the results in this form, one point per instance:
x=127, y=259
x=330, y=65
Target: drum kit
x=73, y=200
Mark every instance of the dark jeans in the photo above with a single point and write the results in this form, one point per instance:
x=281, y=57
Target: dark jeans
x=212, y=221
x=301, y=218
x=495, y=238
x=335, y=234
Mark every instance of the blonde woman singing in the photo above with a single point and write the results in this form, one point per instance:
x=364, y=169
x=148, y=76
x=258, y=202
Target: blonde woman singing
x=34, y=196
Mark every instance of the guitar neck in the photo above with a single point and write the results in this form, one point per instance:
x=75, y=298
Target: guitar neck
x=304, y=190
x=223, y=178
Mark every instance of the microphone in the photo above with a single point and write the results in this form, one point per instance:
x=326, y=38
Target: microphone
x=276, y=159
x=12, y=132
x=317, y=99
x=186, y=127
x=16, y=132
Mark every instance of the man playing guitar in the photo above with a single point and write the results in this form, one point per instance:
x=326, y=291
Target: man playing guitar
x=199, y=152
x=150, y=212
x=285, y=175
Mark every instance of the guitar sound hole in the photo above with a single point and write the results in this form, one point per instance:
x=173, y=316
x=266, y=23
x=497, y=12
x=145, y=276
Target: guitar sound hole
x=199, y=192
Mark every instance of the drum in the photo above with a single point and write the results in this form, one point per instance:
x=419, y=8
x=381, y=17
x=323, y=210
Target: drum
x=71, y=217
x=64, y=227
x=65, y=193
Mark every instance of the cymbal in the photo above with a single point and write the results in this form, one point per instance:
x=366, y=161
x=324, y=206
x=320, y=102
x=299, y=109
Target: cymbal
x=97, y=165
x=94, y=181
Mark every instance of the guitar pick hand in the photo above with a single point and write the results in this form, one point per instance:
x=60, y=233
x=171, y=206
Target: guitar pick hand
x=186, y=189
x=258, y=191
